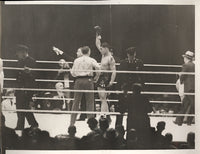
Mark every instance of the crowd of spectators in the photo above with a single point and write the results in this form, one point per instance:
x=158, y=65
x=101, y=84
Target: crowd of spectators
x=101, y=136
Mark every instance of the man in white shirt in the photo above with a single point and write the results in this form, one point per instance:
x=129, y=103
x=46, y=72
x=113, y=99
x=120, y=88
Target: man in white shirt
x=9, y=104
x=82, y=70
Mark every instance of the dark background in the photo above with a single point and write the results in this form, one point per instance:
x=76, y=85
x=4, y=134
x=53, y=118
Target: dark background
x=161, y=34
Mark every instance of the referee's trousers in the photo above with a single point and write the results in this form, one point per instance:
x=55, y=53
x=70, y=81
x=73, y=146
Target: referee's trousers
x=83, y=84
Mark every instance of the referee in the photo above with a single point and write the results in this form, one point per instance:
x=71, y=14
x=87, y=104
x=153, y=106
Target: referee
x=82, y=70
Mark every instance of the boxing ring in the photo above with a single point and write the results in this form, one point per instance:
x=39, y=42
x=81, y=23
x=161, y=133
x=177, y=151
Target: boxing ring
x=57, y=122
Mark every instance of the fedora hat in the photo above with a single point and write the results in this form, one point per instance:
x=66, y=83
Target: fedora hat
x=189, y=55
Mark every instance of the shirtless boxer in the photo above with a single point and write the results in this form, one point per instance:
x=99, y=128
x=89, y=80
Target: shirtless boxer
x=107, y=63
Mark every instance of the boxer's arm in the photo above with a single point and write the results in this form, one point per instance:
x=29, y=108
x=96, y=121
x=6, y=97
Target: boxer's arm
x=113, y=69
x=98, y=42
x=97, y=67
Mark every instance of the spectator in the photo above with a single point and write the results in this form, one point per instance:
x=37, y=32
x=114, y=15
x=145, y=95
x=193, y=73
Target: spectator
x=120, y=136
x=99, y=139
x=168, y=141
x=30, y=139
x=60, y=104
x=68, y=142
x=92, y=123
x=9, y=137
x=190, y=142
x=159, y=138
x=103, y=124
x=64, y=76
x=187, y=106
x=9, y=104
x=46, y=142
x=138, y=109
x=132, y=139
x=110, y=141
x=47, y=104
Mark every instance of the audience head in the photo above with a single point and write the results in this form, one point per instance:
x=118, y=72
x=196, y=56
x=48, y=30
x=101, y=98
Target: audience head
x=132, y=134
x=86, y=50
x=59, y=86
x=44, y=135
x=103, y=123
x=79, y=52
x=191, y=138
x=120, y=130
x=92, y=123
x=111, y=134
x=63, y=63
x=160, y=126
x=131, y=53
x=188, y=56
x=21, y=51
x=137, y=88
x=98, y=107
x=168, y=137
x=10, y=92
x=124, y=87
x=72, y=130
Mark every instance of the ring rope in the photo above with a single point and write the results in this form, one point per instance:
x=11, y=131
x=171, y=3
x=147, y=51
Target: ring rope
x=71, y=81
x=57, y=62
x=94, y=112
x=109, y=100
x=98, y=91
x=103, y=71
x=44, y=80
x=160, y=84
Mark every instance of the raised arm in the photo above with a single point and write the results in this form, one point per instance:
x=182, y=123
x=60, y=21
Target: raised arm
x=98, y=37
x=98, y=42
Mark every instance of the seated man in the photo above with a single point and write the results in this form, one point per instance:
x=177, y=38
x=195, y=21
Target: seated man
x=68, y=142
x=61, y=103
x=159, y=138
x=92, y=123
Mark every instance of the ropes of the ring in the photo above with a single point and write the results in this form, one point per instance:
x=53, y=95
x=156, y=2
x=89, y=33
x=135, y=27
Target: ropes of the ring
x=103, y=71
x=47, y=80
x=98, y=100
x=95, y=112
x=99, y=91
x=57, y=62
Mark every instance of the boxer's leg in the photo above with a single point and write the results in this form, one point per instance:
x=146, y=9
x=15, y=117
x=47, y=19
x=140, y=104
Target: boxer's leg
x=103, y=97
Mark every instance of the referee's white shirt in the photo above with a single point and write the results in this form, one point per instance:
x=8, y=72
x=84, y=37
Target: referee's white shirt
x=83, y=66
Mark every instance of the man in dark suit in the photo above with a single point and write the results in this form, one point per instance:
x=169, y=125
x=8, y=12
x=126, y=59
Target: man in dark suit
x=187, y=106
x=25, y=79
x=126, y=80
x=131, y=63
x=138, y=107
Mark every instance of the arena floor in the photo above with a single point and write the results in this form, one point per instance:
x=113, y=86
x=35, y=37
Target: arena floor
x=58, y=123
